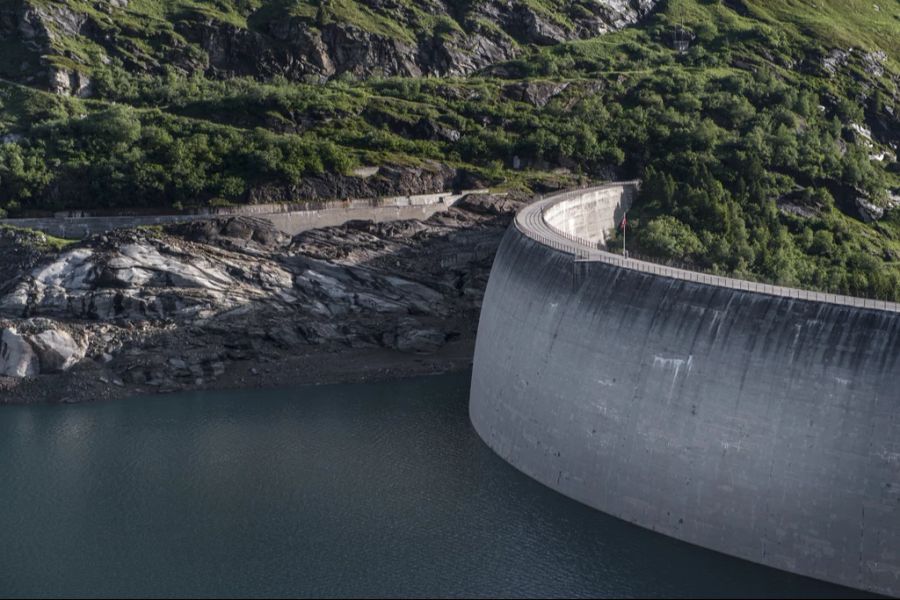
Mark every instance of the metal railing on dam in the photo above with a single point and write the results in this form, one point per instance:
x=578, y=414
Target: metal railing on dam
x=532, y=222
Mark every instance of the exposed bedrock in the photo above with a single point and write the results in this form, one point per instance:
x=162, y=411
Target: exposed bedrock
x=761, y=426
x=433, y=37
x=209, y=302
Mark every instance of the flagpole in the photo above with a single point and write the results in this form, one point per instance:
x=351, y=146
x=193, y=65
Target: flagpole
x=624, y=227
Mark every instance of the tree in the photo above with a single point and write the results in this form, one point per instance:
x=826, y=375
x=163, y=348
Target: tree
x=667, y=237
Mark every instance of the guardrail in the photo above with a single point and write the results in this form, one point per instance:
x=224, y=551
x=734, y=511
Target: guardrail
x=270, y=208
x=530, y=221
x=284, y=216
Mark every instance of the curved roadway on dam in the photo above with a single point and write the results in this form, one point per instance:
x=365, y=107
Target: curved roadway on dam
x=756, y=420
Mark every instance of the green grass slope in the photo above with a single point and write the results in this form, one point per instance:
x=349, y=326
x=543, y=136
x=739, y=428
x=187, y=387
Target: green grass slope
x=758, y=145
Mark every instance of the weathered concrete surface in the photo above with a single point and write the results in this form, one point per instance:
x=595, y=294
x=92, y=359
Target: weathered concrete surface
x=761, y=426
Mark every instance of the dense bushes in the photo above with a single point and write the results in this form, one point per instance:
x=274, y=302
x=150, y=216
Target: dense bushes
x=123, y=157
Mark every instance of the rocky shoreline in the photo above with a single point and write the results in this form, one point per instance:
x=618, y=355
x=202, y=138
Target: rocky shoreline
x=317, y=367
x=233, y=303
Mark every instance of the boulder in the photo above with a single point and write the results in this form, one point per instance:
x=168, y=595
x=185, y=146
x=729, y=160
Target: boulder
x=835, y=59
x=491, y=204
x=873, y=62
x=58, y=351
x=434, y=130
x=535, y=93
x=17, y=358
x=413, y=338
x=232, y=229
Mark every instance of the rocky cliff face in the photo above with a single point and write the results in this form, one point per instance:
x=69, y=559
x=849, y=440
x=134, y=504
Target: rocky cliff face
x=297, y=40
x=31, y=33
x=153, y=309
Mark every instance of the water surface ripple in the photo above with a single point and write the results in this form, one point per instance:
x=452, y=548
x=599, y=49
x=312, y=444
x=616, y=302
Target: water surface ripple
x=345, y=490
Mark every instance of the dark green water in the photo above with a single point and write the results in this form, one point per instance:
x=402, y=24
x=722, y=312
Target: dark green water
x=377, y=489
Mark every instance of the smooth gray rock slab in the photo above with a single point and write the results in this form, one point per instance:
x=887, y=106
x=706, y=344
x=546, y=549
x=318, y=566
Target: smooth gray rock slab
x=57, y=350
x=17, y=357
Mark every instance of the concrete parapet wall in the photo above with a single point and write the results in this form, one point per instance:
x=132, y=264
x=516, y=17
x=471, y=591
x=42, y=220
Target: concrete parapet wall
x=753, y=422
x=573, y=230
x=592, y=213
x=291, y=218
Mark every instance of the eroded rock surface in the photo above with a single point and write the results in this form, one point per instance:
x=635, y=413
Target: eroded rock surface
x=307, y=41
x=166, y=309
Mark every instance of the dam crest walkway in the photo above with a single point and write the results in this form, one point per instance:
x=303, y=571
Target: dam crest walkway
x=532, y=222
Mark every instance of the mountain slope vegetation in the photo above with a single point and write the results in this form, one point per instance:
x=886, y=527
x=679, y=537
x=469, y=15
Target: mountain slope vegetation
x=767, y=145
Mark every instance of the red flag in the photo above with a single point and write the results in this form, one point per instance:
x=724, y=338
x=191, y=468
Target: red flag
x=624, y=222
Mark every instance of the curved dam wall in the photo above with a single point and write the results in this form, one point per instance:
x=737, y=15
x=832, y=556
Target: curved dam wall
x=590, y=214
x=761, y=425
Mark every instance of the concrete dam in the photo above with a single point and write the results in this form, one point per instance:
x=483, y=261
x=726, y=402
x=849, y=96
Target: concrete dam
x=755, y=420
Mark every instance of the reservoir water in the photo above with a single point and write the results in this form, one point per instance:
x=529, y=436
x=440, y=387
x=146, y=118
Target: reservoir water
x=344, y=490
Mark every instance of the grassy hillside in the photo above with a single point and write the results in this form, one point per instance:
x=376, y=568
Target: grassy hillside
x=757, y=145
